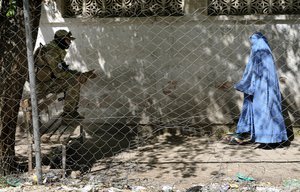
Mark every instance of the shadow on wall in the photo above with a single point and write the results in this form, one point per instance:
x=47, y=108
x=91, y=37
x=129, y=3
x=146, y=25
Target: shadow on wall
x=159, y=71
x=166, y=73
x=174, y=83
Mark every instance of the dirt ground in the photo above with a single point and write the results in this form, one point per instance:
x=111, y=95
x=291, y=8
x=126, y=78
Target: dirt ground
x=179, y=161
x=187, y=161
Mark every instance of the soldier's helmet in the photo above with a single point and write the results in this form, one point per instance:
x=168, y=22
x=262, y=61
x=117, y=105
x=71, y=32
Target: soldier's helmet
x=61, y=34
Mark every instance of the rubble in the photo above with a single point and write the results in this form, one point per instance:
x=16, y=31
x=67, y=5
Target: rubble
x=54, y=182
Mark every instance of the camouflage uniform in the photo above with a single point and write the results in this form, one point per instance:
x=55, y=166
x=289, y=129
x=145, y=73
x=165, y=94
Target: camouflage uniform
x=62, y=80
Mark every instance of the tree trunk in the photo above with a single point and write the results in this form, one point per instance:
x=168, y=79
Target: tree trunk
x=14, y=73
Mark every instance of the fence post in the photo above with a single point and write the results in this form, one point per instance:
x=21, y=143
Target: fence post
x=35, y=119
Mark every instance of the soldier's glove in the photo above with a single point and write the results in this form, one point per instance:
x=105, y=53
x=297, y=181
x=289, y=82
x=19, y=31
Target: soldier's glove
x=83, y=77
x=90, y=74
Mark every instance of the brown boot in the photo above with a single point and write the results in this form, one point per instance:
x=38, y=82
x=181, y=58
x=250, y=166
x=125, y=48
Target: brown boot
x=72, y=115
x=68, y=117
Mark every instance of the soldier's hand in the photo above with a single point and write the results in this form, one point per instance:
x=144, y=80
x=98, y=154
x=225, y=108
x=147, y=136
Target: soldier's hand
x=83, y=77
x=90, y=74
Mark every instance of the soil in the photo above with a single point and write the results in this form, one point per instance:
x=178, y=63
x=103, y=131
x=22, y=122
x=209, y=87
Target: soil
x=179, y=161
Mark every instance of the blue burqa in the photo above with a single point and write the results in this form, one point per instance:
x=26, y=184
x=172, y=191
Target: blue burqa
x=261, y=114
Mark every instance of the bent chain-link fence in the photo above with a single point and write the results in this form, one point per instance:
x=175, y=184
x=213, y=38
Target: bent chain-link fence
x=163, y=99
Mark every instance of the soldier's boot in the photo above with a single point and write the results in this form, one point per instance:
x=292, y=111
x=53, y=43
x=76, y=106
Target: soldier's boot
x=72, y=115
x=69, y=117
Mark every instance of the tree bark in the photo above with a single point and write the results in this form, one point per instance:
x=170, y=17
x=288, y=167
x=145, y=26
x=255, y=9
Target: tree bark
x=14, y=73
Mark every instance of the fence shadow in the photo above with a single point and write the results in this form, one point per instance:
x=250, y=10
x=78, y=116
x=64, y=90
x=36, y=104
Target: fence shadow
x=108, y=141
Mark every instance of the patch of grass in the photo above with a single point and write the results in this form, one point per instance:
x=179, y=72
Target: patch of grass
x=3, y=182
x=221, y=131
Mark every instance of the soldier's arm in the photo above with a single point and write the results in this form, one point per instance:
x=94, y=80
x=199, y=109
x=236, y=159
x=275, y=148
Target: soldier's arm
x=57, y=65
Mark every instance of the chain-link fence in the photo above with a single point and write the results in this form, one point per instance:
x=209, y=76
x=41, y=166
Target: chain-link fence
x=163, y=102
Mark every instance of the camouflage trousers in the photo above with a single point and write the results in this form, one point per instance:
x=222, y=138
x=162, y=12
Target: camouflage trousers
x=70, y=86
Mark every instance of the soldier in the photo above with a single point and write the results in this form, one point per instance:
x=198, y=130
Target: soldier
x=54, y=76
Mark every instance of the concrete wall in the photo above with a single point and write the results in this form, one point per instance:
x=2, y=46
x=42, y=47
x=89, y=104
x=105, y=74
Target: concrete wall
x=167, y=69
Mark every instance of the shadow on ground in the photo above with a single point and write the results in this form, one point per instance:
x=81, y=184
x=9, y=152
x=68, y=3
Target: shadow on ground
x=115, y=150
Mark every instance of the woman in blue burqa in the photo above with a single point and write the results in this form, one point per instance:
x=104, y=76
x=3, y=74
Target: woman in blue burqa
x=261, y=114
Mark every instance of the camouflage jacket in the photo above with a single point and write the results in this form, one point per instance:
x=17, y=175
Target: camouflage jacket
x=54, y=57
